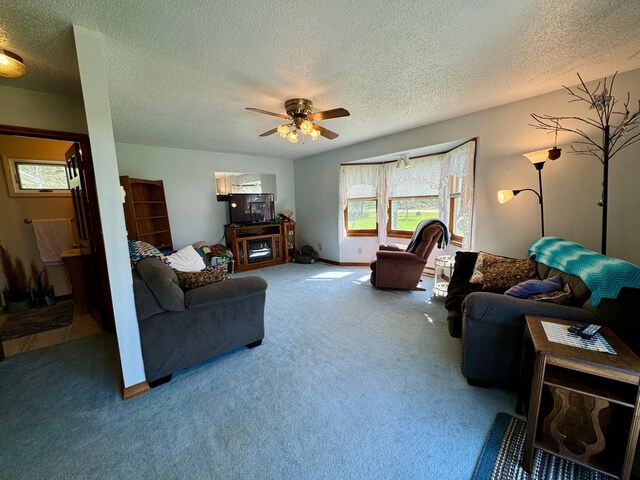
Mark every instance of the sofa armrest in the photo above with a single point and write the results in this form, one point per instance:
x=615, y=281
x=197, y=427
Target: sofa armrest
x=233, y=289
x=492, y=331
x=502, y=309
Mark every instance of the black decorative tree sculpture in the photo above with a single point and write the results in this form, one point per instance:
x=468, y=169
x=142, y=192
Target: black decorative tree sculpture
x=615, y=130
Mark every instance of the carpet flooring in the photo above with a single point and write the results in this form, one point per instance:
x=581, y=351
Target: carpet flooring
x=350, y=383
x=501, y=457
x=37, y=320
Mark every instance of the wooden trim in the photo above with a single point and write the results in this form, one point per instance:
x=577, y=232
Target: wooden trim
x=135, y=390
x=330, y=262
x=354, y=264
x=360, y=233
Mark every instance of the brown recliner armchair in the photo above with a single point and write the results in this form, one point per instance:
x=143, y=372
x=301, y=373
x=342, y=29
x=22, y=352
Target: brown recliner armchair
x=394, y=268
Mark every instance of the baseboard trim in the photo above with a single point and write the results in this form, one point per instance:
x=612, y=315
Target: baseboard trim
x=135, y=390
x=330, y=262
x=344, y=264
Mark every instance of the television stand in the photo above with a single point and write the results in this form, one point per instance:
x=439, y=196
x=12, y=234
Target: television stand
x=262, y=245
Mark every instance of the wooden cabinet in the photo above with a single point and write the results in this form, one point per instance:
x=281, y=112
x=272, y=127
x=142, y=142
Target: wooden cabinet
x=584, y=405
x=289, y=239
x=145, y=212
x=257, y=246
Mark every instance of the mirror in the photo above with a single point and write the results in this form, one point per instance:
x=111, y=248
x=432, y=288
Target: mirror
x=235, y=182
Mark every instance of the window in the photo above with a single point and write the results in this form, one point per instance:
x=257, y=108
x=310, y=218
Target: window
x=380, y=199
x=457, y=219
x=406, y=213
x=33, y=178
x=360, y=217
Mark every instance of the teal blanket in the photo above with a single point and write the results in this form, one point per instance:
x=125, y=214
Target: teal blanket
x=604, y=276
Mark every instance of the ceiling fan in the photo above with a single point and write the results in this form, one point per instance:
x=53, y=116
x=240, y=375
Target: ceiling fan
x=300, y=117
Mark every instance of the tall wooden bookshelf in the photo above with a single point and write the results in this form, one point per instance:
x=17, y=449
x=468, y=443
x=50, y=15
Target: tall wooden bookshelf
x=145, y=212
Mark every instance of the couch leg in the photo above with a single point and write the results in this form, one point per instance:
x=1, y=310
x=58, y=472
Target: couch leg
x=255, y=344
x=161, y=381
x=478, y=383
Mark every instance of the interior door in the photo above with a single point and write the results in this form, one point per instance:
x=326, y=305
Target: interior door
x=95, y=272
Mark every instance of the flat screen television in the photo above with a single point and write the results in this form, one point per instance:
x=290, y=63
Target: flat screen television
x=251, y=208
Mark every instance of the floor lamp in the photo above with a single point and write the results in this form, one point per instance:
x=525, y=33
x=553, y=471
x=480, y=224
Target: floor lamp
x=537, y=158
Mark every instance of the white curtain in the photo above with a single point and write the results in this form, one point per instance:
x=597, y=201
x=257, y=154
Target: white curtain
x=421, y=180
x=459, y=162
x=427, y=176
x=363, y=181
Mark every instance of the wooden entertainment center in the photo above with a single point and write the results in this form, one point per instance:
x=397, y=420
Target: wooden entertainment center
x=263, y=245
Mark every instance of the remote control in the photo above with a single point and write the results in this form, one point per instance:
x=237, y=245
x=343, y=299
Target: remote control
x=590, y=331
x=577, y=328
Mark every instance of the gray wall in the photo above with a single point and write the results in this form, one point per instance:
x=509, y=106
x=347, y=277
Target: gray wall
x=572, y=184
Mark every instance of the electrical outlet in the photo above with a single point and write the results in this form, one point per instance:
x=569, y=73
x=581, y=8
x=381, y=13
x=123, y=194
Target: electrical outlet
x=319, y=246
x=359, y=250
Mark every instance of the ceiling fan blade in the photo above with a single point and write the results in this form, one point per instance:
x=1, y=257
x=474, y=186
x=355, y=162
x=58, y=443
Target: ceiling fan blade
x=279, y=115
x=327, y=114
x=270, y=132
x=327, y=133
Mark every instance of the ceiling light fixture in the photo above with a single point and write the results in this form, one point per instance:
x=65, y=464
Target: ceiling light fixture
x=11, y=65
x=403, y=162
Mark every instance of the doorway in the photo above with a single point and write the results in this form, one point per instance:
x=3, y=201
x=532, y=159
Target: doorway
x=53, y=275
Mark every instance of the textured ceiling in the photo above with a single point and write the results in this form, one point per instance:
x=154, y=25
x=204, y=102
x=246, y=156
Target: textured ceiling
x=181, y=72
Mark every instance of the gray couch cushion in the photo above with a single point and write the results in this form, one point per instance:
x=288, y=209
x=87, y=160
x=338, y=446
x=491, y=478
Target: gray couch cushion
x=163, y=283
x=231, y=290
x=146, y=303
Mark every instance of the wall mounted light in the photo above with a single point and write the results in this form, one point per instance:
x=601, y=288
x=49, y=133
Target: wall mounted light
x=11, y=65
x=403, y=162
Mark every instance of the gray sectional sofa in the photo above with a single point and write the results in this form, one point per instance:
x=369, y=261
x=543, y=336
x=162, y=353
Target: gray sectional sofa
x=492, y=324
x=180, y=329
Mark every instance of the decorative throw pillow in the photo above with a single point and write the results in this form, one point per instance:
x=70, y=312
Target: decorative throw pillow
x=139, y=250
x=191, y=280
x=535, y=287
x=499, y=273
x=561, y=297
x=477, y=276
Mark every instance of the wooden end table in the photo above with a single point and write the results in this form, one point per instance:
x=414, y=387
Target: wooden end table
x=584, y=405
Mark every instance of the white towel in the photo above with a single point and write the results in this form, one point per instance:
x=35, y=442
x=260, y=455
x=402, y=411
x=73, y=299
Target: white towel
x=52, y=238
x=187, y=260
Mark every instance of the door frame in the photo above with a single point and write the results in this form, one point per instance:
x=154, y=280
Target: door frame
x=95, y=224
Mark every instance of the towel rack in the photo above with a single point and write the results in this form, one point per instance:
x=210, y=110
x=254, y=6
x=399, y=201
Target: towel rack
x=28, y=221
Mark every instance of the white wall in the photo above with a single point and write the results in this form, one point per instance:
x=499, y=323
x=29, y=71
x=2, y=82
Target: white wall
x=571, y=184
x=27, y=108
x=190, y=189
x=98, y=114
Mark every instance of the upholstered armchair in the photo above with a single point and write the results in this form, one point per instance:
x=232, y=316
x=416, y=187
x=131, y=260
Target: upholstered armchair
x=393, y=267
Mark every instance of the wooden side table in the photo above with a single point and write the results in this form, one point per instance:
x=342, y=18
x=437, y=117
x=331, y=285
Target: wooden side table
x=584, y=405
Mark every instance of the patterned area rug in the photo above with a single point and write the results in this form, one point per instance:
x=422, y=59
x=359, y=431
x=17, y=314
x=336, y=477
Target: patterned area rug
x=501, y=457
x=37, y=320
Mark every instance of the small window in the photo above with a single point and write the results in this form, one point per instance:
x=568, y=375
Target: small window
x=406, y=213
x=34, y=178
x=457, y=220
x=360, y=217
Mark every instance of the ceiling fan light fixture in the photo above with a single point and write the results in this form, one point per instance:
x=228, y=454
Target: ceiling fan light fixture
x=315, y=134
x=306, y=127
x=283, y=130
x=293, y=136
x=11, y=65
